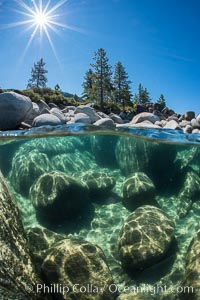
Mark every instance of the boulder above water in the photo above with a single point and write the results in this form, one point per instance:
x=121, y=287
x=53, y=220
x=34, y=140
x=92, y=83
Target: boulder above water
x=117, y=119
x=105, y=123
x=145, y=116
x=14, y=109
x=189, y=115
x=46, y=119
x=172, y=124
x=82, y=118
x=89, y=111
x=57, y=112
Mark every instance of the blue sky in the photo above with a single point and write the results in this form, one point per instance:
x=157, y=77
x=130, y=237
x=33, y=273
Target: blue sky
x=158, y=41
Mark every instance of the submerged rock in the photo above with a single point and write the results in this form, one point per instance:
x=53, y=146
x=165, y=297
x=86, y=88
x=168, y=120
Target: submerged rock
x=138, y=190
x=103, y=148
x=58, y=197
x=145, y=237
x=55, y=145
x=14, y=109
x=17, y=272
x=137, y=296
x=26, y=168
x=99, y=183
x=76, y=162
x=131, y=155
x=192, y=274
x=81, y=267
x=154, y=159
x=40, y=241
x=189, y=159
x=189, y=193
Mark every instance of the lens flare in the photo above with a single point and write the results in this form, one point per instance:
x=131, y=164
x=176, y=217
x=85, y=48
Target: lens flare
x=41, y=18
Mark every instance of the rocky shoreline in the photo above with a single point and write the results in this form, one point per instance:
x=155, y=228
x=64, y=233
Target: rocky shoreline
x=19, y=112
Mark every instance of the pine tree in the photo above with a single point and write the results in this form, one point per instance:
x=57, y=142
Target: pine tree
x=143, y=95
x=102, y=76
x=38, y=78
x=57, y=88
x=88, y=86
x=162, y=102
x=121, y=85
x=76, y=99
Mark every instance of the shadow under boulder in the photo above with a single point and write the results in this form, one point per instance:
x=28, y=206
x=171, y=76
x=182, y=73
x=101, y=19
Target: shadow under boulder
x=99, y=183
x=58, y=197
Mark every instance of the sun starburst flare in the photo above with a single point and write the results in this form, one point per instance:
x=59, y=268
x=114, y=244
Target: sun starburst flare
x=41, y=18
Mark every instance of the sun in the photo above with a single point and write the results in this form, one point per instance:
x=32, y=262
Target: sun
x=41, y=19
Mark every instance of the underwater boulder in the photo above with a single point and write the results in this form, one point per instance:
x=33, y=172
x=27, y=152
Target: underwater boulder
x=131, y=155
x=154, y=159
x=17, y=271
x=26, y=168
x=145, y=237
x=138, y=296
x=138, y=190
x=192, y=274
x=189, y=158
x=74, y=162
x=81, y=267
x=40, y=241
x=189, y=193
x=55, y=145
x=58, y=197
x=103, y=148
x=98, y=182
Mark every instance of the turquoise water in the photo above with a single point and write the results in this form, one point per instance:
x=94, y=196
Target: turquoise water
x=75, y=183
